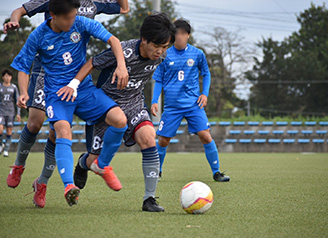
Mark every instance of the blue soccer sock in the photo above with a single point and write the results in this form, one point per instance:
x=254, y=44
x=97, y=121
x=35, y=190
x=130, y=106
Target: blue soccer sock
x=112, y=142
x=212, y=155
x=64, y=159
x=162, y=154
x=83, y=161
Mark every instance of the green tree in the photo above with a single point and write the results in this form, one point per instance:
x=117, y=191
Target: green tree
x=292, y=77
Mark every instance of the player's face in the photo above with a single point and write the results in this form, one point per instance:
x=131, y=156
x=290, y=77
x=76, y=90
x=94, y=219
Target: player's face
x=65, y=22
x=154, y=51
x=6, y=78
x=181, y=38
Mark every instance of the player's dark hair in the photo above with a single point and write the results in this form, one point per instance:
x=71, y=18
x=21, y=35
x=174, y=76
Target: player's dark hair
x=183, y=24
x=62, y=7
x=6, y=71
x=158, y=28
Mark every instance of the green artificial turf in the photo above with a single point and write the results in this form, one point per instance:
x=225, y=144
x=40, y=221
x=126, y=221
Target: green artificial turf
x=270, y=195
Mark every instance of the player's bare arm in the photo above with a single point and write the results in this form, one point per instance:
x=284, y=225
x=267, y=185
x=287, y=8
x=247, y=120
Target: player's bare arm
x=124, y=4
x=14, y=19
x=23, y=79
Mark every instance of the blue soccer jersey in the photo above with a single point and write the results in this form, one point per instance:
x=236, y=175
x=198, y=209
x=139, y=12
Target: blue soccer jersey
x=62, y=54
x=179, y=76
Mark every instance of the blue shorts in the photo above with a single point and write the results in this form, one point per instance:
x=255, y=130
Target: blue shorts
x=90, y=105
x=171, y=120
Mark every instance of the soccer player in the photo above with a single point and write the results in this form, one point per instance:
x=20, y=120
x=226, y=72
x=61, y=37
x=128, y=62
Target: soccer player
x=178, y=76
x=142, y=57
x=36, y=103
x=61, y=42
x=8, y=97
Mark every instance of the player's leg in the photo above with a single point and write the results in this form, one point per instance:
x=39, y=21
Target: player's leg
x=36, y=108
x=40, y=183
x=81, y=171
x=144, y=135
x=97, y=107
x=36, y=116
x=167, y=129
x=9, y=133
x=198, y=124
x=2, y=122
x=26, y=141
x=64, y=160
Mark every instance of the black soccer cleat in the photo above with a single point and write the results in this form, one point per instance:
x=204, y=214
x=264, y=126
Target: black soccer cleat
x=151, y=205
x=80, y=175
x=221, y=177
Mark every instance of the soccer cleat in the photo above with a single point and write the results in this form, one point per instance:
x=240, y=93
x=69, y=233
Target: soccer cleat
x=80, y=175
x=72, y=194
x=39, y=190
x=15, y=175
x=151, y=205
x=221, y=177
x=5, y=154
x=108, y=175
x=2, y=146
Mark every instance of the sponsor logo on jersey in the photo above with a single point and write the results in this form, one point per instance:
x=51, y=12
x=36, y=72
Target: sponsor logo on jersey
x=75, y=37
x=86, y=10
x=171, y=63
x=190, y=62
x=127, y=52
x=150, y=68
x=51, y=47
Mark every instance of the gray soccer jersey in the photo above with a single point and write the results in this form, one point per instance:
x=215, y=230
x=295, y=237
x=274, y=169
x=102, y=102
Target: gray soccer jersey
x=8, y=98
x=88, y=8
x=130, y=99
x=140, y=72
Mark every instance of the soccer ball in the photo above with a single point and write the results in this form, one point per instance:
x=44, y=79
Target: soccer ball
x=196, y=197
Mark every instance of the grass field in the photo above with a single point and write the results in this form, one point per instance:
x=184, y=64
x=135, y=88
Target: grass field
x=270, y=195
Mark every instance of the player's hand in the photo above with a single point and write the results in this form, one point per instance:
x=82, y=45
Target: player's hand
x=202, y=101
x=10, y=26
x=18, y=118
x=154, y=109
x=122, y=75
x=66, y=92
x=22, y=100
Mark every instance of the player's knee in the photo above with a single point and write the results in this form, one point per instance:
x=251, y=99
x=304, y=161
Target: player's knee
x=205, y=137
x=163, y=141
x=34, y=126
x=116, y=118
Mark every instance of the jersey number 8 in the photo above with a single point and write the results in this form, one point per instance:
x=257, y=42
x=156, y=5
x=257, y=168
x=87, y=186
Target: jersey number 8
x=67, y=58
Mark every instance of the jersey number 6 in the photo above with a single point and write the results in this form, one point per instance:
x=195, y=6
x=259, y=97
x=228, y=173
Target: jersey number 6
x=181, y=75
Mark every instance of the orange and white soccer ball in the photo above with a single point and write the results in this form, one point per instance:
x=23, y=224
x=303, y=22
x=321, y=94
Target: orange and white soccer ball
x=196, y=197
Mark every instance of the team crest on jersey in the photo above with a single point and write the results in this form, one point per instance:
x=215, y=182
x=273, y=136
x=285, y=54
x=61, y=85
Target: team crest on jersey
x=190, y=62
x=75, y=37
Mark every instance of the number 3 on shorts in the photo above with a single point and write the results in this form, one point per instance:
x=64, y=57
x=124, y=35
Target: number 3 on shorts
x=67, y=58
